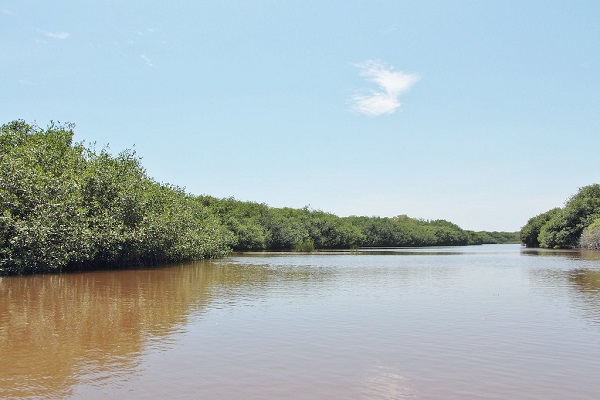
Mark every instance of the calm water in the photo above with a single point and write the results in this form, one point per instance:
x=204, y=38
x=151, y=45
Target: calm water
x=484, y=322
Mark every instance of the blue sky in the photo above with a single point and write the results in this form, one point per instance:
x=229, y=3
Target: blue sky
x=484, y=113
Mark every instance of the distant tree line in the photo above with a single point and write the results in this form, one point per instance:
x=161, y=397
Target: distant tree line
x=576, y=225
x=65, y=206
x=260, y=227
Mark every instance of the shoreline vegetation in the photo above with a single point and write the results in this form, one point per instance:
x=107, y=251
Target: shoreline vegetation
x=69, y=207
x=576, y=225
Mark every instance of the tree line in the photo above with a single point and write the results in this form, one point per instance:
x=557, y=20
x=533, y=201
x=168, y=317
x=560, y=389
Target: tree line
x=576, y=225
x=66, y=206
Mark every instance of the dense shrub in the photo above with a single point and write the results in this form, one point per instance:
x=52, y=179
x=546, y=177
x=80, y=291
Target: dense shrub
x=590, y=238
x=563, y=227
x=530, y=232
x=403, y=231
x=65, y=207
x=495, y=237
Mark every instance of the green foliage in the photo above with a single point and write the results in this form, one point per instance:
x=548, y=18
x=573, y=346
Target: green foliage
x=531, y=231
x=306, y=247
x=378, y=232
x=257, y=227
x=403, y=231
x=563, y=227
x=39, y=211
x=242, y=219
x=68, y=207
x=328, y=231
x=590, y=238
x=495, y=237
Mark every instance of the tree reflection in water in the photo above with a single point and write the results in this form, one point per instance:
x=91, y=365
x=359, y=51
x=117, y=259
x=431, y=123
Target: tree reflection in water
x=584, y=282
x=56, y=330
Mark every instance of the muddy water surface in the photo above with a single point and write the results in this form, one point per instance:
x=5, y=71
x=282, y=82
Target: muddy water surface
x=482, y=322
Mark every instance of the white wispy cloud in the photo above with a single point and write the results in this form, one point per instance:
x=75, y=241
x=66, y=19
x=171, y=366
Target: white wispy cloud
x=146, y=31
x=57, y=35
x=391, y=84
x=147, y=60
x=7, y=12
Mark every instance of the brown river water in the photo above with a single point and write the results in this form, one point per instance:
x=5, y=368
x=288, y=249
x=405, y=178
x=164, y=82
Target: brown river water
x=480, y=322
